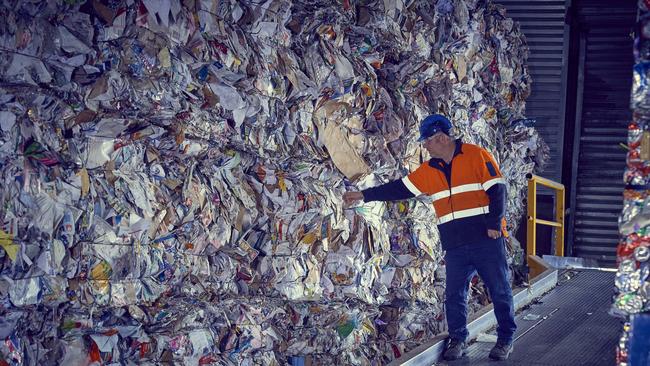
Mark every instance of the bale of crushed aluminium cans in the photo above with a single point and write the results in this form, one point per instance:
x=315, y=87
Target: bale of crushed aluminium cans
x=632, y=281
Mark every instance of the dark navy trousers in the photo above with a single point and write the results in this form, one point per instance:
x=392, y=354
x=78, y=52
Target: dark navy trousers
x=488, y=259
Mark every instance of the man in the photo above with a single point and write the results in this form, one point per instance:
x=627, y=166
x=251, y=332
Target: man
x=469, y=199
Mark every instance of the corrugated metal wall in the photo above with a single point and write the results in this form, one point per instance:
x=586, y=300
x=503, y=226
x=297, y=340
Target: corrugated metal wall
x=598, y=110
x=602, y=117
x=543, y=24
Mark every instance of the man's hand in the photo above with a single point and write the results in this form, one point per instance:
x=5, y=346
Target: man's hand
x=494, y=234
x=351, y=197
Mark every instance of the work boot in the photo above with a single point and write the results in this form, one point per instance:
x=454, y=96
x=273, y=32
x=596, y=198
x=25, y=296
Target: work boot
x=501, y=351
x=455, y=349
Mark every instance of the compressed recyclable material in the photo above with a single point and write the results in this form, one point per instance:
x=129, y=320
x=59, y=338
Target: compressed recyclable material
x=172, y=174
x=632, y=282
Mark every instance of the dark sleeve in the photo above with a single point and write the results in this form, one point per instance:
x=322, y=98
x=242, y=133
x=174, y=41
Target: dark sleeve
x=391, y=191
x=497, y=195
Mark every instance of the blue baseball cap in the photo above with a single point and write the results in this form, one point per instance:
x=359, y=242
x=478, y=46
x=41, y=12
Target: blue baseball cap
x=433, y=124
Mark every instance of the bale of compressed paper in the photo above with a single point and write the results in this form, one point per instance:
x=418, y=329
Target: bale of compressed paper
x=172, y=174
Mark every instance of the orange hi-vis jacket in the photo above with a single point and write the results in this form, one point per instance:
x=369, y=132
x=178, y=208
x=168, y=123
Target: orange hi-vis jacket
x=468, y=194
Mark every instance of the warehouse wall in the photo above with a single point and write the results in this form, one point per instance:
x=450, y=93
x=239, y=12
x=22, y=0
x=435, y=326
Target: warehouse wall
x=548, y=35
x=580, y=60
x=543, y=24
x=597, y=117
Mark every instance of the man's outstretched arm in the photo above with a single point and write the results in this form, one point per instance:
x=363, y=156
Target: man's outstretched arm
x=416, y=183
x=391, y=191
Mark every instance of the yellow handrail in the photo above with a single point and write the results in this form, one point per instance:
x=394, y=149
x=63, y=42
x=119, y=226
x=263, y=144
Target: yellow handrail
x=535, y=263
